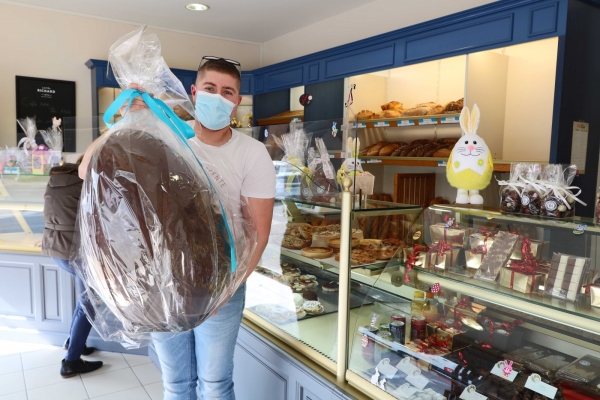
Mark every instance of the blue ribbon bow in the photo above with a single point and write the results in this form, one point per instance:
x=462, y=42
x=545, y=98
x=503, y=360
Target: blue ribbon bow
x=183, y=132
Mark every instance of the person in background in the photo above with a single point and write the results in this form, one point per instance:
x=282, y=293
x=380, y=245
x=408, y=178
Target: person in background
x=198, y=364
x=61, y=202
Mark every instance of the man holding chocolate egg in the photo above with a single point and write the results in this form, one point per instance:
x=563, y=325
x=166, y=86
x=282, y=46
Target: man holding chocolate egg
x=199, y=363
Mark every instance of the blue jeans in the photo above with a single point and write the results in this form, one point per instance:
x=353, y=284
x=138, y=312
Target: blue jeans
x=80, y=326
x=199, y=364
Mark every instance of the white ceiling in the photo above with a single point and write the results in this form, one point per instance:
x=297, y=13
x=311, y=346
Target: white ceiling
x=246, y=20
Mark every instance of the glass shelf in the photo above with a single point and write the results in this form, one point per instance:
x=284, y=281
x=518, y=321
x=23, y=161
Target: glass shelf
x=580, y=308
x=368, y=205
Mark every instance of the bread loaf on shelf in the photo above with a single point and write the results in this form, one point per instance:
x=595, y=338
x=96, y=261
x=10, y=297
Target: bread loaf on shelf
x=443, y=153
x=365, y=114
x=415, y=112
x=389, y=114
x=454, y=107
x=392, y=105
x=374, y=151
x=388, y=149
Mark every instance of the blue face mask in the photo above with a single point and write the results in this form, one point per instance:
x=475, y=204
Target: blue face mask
x=213, y=110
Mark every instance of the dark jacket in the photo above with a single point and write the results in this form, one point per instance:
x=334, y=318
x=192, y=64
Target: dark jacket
x=61, y=202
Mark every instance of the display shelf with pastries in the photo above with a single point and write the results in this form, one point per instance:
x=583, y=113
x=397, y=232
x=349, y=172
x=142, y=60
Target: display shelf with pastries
x=423, y=100
x=294, y=292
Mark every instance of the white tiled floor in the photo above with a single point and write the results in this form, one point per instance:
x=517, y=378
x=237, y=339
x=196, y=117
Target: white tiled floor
x=31, y=372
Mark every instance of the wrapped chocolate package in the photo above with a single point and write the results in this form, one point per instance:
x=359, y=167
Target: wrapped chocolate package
x=521, y=280
x=497, y=256
x=295, y=175
x=586, y=369
x=510, y=190
x=449, y=233
x=322, y=185
x=441, y=256
x=566, y=276
x=161, y=247
x=531, y=194
x=559, y=200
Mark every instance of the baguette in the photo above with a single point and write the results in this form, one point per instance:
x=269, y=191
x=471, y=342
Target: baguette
x=397, y=152
x=388, y=149
x=436, y=110
x=374, y=151
x=415, y=112
x=407, y=149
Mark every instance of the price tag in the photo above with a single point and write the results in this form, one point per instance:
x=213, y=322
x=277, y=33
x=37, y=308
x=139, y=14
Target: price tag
x=381, y=124
x=361, y=125
x=418, y=380
x=470, y=393
x=405, y=390
x=406, y=367
x=442, y=163
x=386, y=369
x=535, y=383
x=406, y=122
x=450, y=120
x=374, y=161
x=498, y=370
x=427, y=121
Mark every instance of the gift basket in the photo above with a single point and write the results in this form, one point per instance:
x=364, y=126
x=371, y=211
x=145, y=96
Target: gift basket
x=161, y=247
x=53, y=137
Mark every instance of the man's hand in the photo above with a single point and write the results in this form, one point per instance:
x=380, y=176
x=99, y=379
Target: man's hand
x=136, y=104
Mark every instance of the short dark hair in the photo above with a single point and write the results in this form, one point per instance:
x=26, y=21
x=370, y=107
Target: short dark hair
x=221, y=66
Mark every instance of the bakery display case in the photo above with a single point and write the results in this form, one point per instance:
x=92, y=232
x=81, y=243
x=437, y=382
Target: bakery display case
x=21, y=208
x=485, y=304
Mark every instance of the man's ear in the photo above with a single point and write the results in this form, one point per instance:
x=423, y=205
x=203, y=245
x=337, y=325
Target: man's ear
x=193, y=90
x=239, y=100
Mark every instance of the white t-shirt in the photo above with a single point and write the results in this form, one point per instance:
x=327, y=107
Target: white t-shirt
x=241, y=167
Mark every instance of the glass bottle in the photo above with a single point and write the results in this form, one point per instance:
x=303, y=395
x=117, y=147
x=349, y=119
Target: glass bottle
x=416, y=307
x=430, y=310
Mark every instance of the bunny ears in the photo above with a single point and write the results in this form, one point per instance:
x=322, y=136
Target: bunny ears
x=469, y=121
x=353, y=147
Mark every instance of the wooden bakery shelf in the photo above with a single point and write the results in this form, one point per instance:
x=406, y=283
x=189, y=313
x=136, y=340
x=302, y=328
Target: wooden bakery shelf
x=499, y=165
x=283, y=118
x=406, y=121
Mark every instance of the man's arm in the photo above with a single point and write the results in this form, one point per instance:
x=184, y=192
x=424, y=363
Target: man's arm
x=259, y=212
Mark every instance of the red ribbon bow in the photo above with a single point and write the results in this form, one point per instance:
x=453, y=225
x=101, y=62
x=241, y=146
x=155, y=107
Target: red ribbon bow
x=410, y=263
x=441, y=247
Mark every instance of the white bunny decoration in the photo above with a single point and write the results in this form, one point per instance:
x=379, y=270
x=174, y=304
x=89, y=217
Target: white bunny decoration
x=470, y=165
x=352, y=165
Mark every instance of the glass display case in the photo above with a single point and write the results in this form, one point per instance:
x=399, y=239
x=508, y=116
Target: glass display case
x=491, y=304
x=21, y=212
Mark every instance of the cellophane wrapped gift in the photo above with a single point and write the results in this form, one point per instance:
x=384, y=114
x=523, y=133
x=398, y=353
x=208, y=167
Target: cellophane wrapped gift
x=566, y=276
x=497, y=256
x=559, y=200
x=594, y=291
x=161, y=247
x=294, y=174
x=533, y=190
x=54, y=140
x=510, y=190
x=322, y=186
x=479, y=244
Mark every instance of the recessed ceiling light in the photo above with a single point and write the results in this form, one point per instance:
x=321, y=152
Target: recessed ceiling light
x=197, y=7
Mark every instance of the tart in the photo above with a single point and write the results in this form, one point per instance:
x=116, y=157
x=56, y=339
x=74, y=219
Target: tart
x=300, y=230
x=313, y=307
x=320, y=239
x=389, y=247
x=370, y=244
x=294, y=242
x=360, y=257
x=331, y=286
x=317, y=252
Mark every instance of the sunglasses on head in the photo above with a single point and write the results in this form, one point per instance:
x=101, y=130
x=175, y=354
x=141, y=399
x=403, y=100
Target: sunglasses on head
x=206, y=59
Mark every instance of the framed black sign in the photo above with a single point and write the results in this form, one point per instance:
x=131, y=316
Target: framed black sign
x=45, y=99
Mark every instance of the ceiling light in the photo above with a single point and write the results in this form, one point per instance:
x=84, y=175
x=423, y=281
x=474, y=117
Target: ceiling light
x=197, y=7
